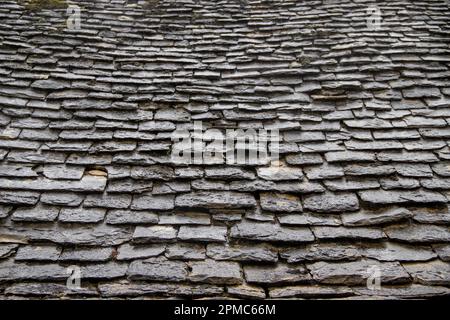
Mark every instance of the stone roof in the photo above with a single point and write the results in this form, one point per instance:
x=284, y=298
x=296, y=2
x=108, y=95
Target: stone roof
x=86, y=177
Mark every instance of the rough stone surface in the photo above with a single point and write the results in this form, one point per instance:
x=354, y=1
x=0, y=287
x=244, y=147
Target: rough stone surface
x=215, y=272
x=120, y=150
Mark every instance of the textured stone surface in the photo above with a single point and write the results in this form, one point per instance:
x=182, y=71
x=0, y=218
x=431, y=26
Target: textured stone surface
x=157, y=269
x=280, y=273
x=154, y=234
x=203, y=234
x=129, y=252
x=419, y=233
x=280, y=202
x=215, y=200
x=382, y=216
x=321, y=252
x=331, y=202
x=259, y=253
x=215, y=272
x=357, y=121
x=432, y=273
x=353, y=273
x=270, y=232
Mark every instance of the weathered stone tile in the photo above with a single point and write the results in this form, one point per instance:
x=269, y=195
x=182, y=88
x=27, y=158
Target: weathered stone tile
x=382, y=216
x=414, y=170
x=247, y=292
x=157, y=269
x=186, y=251
x=171, y=187
x=276, y=274
x=368, y=170
x=357, y=272
x=54, y=290
x=390, y=251
x=10, y=271
x=360, y=233
x=108, y=270
x=310, y=219
x=331, y=202
x=270, y=232
x=203, y=233
x=7, y=250
x=130, y=252
x=321, y=252
x=324, y=172
x=304, y=159
x=196, y=218
x=131, y=217
x=351, y=184
x=86, y=254
x=215, y=272
x=62, y=199
x=256, y=253
x=276, y=202
x=125, y=289
x=280, y=173
x=36, y=214
x=151, y=202
x=154, y=234
x=87, y=183
x=443, y=251
x=429, y=273
x=407, y=156
x=152, y=173
x=111, y=201
x=382, y=197
x=419, y=233
x=215, y=200
x=38, y=253
x=310, y=291
x=82, y=215
x=415, y=291
x=349, y=156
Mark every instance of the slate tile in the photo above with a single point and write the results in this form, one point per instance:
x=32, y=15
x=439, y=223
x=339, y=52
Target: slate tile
x=215, y=272
x=157, y=269
x=429, y=273
x=215, y=200
x=276, y=274
x=186, y=251
x=130, y=252
x=357, y=272
x=81, y=215
x=131, y=217
x=389, y=251
x=36, y=214
x=276, y=202
x=38, y=253
x=255, y=253
x=359, y=233
x=418, y=233
x=203, y=233
x=270, y=232
x=382, y=216
x=154, y=234
x=86, y=254
x=331, y=202
x=151, y=202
